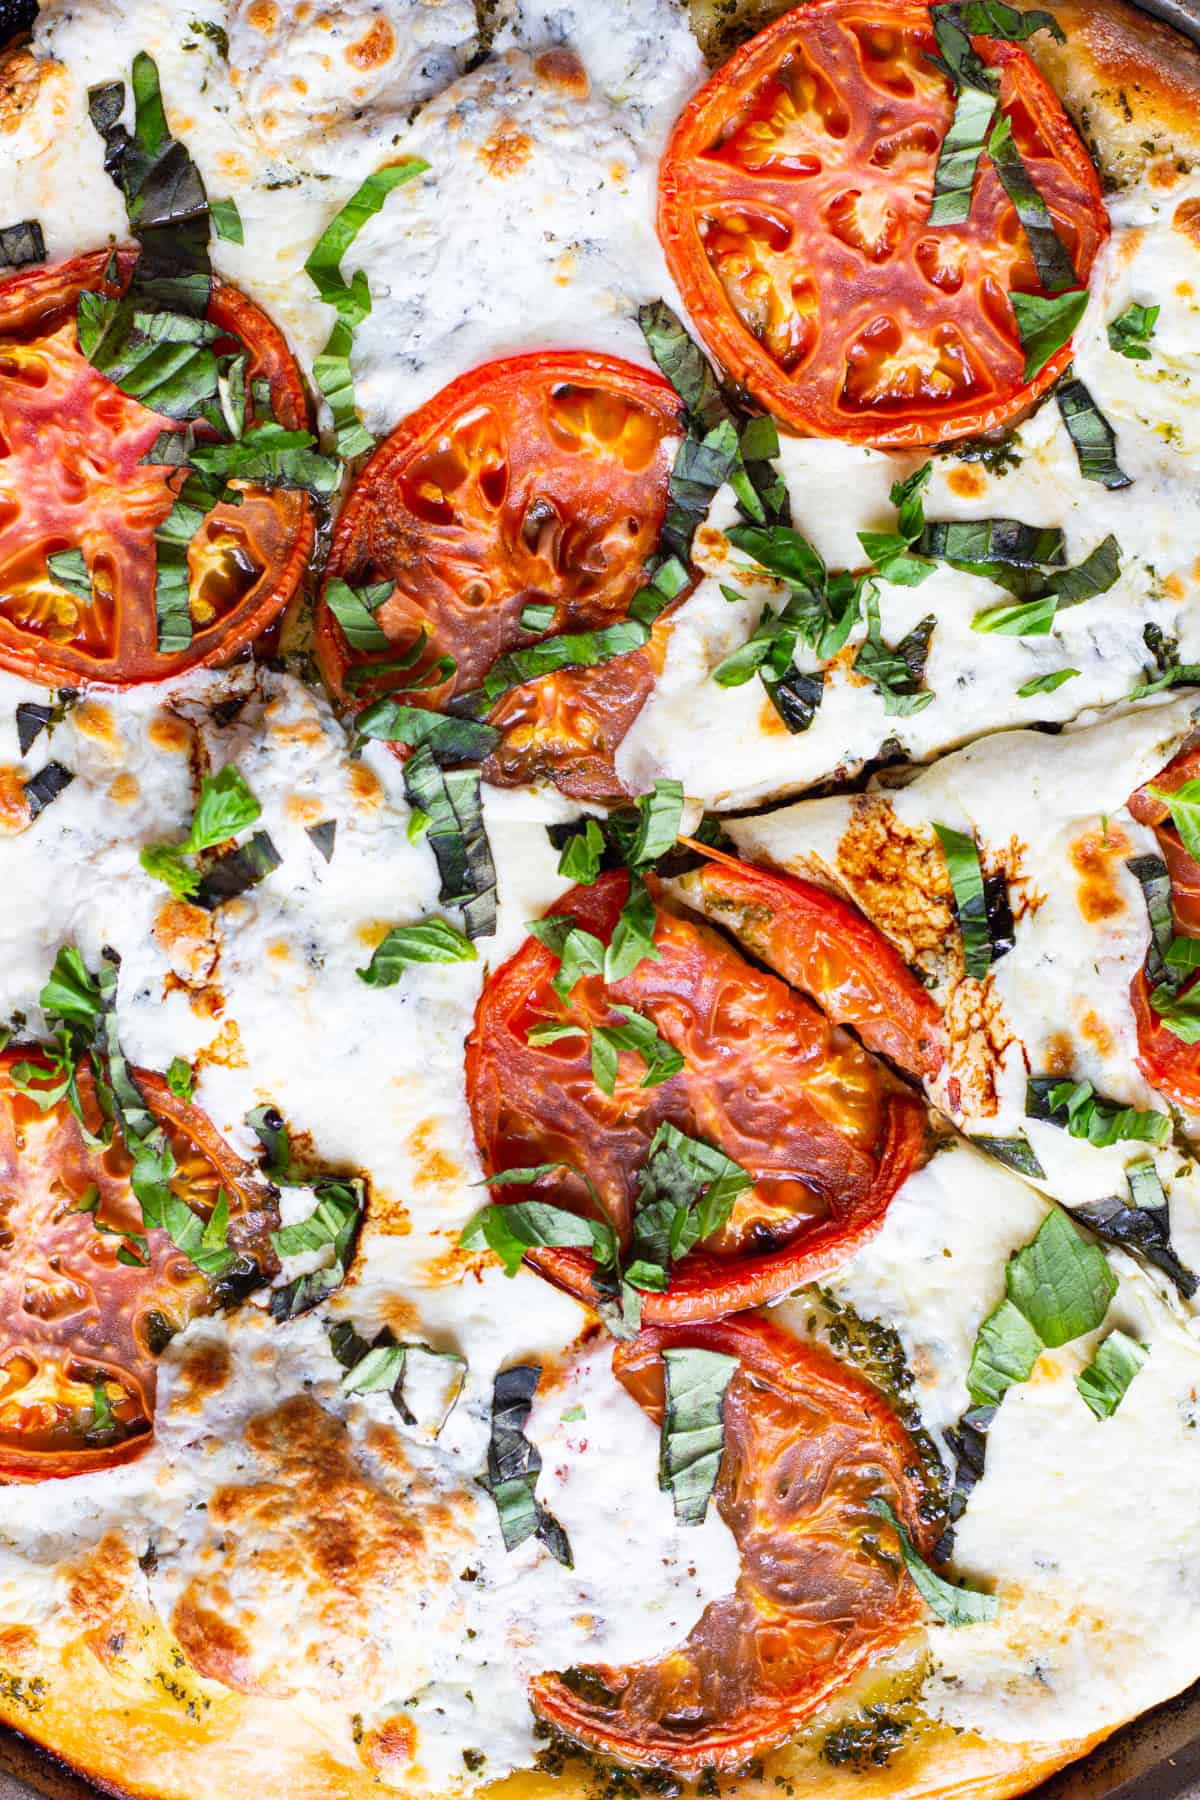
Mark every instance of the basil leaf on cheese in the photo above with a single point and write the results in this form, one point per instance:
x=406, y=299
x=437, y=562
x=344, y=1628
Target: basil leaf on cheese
x=42, y=789
x=1184, y=805
x=350, y=300
x=1050, y=255
x=180, y=1078
x=993, y=540
x=1093, y=437
x=227, y=221
x=1006, y=1349
x=1014, y=1152
x=1104, y=1382
x=355, y=609
x=1082, y=1113
x=582, y=855
x=423, y=1384
x=659, y=815
x=1096, y=574
x=514, y=1464
x=457, y=837
x=1061, y=1283
x=22, y=244
x=225, y=807
x=954, y=1606
x=693, y=1427
x=448, y=739
x=335, y=1221
x=237, y=871
x=432, y=941
x=32, y=720
x=966, y=879
x=1131, y=331
x=638, y=1034
x=896, y=674
x=795, y=696
x=1045, y=684
x=1141, y=1225
x=1045, y=323
x=962, y=146
x=335, y=1213
x=322, y=836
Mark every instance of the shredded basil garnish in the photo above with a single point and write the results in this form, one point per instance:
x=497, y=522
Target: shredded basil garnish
x=1105, y=1381
x=456, y=834
x=962, y=146
x=22, y=244
x=513, y=1466
x=1082, y=1113
x=1045, y=323
x=422, y=1384
x=693, y=1428
x=433, y=941
x=1014, y=1152
x=1050, y=256
x=1092, y=435
x=896, y=674
x=1131, y=331
x=42, y=789
x=966, y=879
x=954, y=1606
x=1141, y=1224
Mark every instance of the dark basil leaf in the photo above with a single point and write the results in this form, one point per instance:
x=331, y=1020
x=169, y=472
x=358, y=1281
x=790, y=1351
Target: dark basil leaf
x=960, y=60
x=1082, y=1113
x=954, y=1606
x=994, y=18
x=22, y=244
x=683, y=363
x=795, y=697
x=993, y=540
x=962, y=146
x=513, y=1466
x=632, y=940
x=271, y=457
x=1050, y=255
x=237, y=872
x=1045, y=323
x=447, y=738
x=693, y=1428
x=457, y=837
x=1014, y=1153
x=572, y=650
x=1153, y=878
x=336, y=1221
x=1141, y=1225
x=32, y=719
x=322, y=837
x=45, y=787
x=227, y=221
x=666, y=582
x=968, y=1444
x=896, y=674
x=1092, y=435
x=686, y=1192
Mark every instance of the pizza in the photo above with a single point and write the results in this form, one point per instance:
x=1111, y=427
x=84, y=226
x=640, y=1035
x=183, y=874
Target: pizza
x=600, y=811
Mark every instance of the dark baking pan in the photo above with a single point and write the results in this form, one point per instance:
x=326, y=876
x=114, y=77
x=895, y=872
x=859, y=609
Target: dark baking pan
x=1155, y=1758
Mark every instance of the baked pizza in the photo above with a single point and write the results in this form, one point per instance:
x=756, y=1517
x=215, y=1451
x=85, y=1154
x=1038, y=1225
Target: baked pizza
x=600, y=813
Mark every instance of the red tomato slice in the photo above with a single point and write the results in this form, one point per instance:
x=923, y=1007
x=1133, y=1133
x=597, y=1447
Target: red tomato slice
x=794, y=213
x=72, y=1315
x=807, y=1446
x=535, y=479
x=72, y=478
x=826, y=1131
x=824, y=946
x=1169, y=1064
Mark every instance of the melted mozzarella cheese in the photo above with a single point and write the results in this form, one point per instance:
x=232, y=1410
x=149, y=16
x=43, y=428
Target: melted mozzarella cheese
x=729, y=747
x=1051, y=810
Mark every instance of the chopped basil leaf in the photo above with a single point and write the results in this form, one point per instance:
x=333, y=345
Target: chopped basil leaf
x=659, y=813
x=225, y=807
x=1141, y=1225
x=993, y=540
x=1092, y=435
x=686, y=1192
x=271, y=456
x=632, y=941
x=962, y=146
x=336, y=1221
x=581, y=855
x=1014, y=1153
x=457, y=837
x=32, y=720
x=1104, y=1382
x=332, y=1218
x=45, y=787
x=954, y=1606
x=1082, y=1113
x=513, y=1466
x=795, y=696
x=959, y=58
x=22, y=244
x=433, y=941
x=447, y=738
x=1131, y=331
x=1045, y=684
x=580, y=953
x=1050, y=255
x=1184, y=805
x=180, y=1078
x=538, y=615
x=172, y=581
x=104, y=1420
x=350, y=300
x=322, y=837
x=355, y=609
x=1045, y=324
x=693, y=1428
x=1179, y=1012
x=994, y=18
x=511, y=1228
x=1005, y=1351
x=237, y=871
x=896, y=674
x=1060, y=1283
x=666, y=582
x=638, y=1034
x=423, y=1384
x=1096, y=574
x=571, y=650
x=69, y=570
x=966, y=879
x=227, y=221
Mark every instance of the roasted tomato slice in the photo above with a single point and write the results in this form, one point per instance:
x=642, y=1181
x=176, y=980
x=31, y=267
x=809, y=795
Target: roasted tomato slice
x=826, y=1132
x=1169, y=1064
x=824, y=946
x=72, y=478
x=536, y=479
x=77, y=1316
x=807, y=1446
x=794, y=212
